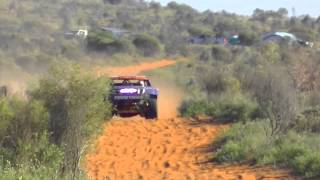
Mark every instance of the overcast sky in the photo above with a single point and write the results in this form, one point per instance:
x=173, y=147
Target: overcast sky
x=246, y=7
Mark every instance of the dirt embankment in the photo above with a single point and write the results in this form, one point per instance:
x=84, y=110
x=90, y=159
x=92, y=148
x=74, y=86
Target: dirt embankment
x=169, y=148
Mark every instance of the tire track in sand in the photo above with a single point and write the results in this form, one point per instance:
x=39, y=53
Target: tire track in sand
x=169, y=148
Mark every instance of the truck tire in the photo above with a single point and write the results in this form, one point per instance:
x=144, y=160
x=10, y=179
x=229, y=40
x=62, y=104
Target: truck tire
x=152, y=111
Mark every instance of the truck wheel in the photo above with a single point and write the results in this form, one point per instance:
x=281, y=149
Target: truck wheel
x=152, y=112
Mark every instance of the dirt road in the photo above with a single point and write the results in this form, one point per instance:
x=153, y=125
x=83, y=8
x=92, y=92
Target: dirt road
x=135, y=69
x=169, y=148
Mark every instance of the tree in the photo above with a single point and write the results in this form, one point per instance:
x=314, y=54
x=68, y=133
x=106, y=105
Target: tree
x=277, y=97
x=106, y=42
x=248, y=38
x=200, y=31
x=146, y=44
x=283, y=12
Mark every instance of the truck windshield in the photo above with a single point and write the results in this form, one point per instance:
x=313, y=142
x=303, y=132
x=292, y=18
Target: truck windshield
x=129, y=82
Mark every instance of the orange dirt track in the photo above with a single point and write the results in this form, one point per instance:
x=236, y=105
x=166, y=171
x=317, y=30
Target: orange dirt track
x=168, y=148
x=133, y=70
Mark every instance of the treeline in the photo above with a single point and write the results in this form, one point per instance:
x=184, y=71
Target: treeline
x=46, y=135
x=32, y=32
x=141, y=44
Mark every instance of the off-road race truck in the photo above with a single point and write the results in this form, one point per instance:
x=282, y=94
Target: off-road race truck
x=133, y=95
x=81, y=33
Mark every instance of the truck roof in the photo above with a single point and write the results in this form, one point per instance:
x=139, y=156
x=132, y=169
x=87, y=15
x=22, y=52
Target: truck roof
x=129, y=78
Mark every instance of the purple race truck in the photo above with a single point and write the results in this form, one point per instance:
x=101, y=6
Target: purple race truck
x=134, y=95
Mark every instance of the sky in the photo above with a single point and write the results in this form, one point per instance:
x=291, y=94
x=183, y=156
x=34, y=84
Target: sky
x=246, y=7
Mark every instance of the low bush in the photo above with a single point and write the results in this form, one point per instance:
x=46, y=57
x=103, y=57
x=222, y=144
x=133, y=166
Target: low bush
x=308, y=120
x=216, y=82
x=21, y=121
x=146, y=45
x=241, y=142
x=25, y=150
x=225, y=109
x=190, y=108
x=107, y=42
x=198, y=31
x=28, y=171
x=235, y=110
x=248, y=38
x=76, y=103
x=252, y=142
x=221, y=53
x=100, y=38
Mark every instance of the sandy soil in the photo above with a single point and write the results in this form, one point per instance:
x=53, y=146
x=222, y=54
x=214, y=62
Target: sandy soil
x=168, y=148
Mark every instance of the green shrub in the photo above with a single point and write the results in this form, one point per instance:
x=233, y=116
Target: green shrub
x=146, y=45
x=107, y=42
x=6, y=115
x=243, y=142
x=205, y=56
x=215, y=81
x=307, y=165
x=221, y=53
x=50, y=129
x=196, y=31
x=25, y=150
x=100, y=38
x=232, y=109
x=231, y=152
x=121, y=45
x=308, y=120
x=71, y=50
x=248, y=38
x=75, y=99
x=21, y=121
x=252, y=142
x=40, y=151
x=286, y=153
x=271, y=52
x=189, y=108
x=28, y=171
x=225, y=109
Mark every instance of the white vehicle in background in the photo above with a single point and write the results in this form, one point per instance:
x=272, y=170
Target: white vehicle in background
x=81, y=33
x=291, y=38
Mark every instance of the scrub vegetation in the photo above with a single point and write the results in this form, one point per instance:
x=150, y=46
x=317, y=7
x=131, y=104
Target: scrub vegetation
x=271, y=91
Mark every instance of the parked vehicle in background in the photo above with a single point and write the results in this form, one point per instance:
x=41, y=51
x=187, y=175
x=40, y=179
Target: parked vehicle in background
x=81, y=33
x=205, y=39
x=280, y=36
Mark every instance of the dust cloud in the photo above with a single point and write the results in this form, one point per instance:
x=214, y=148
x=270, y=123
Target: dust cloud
x=16, y=82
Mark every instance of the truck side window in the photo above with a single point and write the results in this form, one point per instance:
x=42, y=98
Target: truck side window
x=147, y=83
